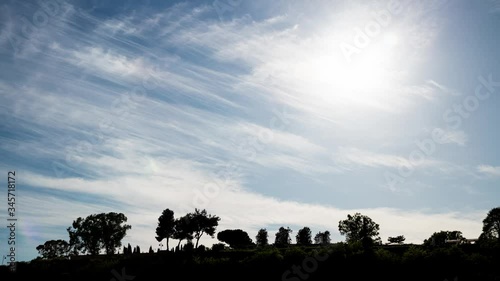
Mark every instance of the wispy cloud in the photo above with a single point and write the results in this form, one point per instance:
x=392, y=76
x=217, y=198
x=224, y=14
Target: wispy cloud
x=175, y=191
x=489, y=170
x=352, y=155
x=447, y=136
x=143, y=109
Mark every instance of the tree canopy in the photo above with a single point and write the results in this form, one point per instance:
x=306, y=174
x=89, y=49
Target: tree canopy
x=282, y=237
x=397, y=239
x=182, y=229
x=304, y=236
x=491, y=225
x=322, y=238
x=359, y=228
x=166, y=226
x=53, y=249
x=235, y=238
x=201, y=222
x=438, y=239
x=262, y=237
x=97, y=232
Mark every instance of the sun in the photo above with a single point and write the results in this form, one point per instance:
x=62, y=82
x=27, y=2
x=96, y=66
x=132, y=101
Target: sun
x=365, y=79
x=390, y=39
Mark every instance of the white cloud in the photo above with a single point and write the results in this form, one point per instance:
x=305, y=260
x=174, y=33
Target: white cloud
x=305, y=70
x=109, y=62
x=489, y=170
x=442, y=88
x=176, y=147
x=143, y=198
x=351, y=155
x=447, y=136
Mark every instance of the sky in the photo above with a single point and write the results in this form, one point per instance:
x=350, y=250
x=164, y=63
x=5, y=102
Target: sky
x=264, y=113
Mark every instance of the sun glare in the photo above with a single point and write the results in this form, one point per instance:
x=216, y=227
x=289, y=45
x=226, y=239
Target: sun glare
x=390, y=39
x=365, y=79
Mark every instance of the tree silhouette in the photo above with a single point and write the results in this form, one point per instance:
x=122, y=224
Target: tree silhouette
x=182, y=229
x=151, y=250
x=438, y=239
x=113, y=231
x=98, y=231
x=188, y=247
x=359, y=228
x=85, y=236
x=491, y=225
x=283, y=237
x=322, y=238
x=53, y=249
x=396, y=240
x=236, y=238
x=166, y=226
x=262, y=237
x=217, y=247
x=137, y=250
x=129, y=249
x=202, y=223
x=304, y=237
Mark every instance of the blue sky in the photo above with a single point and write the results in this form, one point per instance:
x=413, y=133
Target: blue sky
x=290, y=113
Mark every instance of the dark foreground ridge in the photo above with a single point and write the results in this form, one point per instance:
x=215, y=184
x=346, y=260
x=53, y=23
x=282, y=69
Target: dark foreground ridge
x=339, y=261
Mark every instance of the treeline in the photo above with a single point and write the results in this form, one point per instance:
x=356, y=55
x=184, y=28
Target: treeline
x=445, y=255
x=334, y=261
x=103, y=233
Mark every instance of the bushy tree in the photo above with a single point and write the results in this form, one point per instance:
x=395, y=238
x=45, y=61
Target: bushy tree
x=322, y=238
x=202, y=223
x=97, y=232
x=235, y=238
x=189, y=247
x=217, y=247
x=182, y=229
x=262, y=237
x=53, y=249
x=491, y=225
x=438, y=239
x=360, y=228
x=396, y=240
x=283, y=237
x=166, y=226
x=304, y=236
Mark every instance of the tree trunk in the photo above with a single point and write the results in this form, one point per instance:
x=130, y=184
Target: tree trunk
x=167, y=244
x=198, y=239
